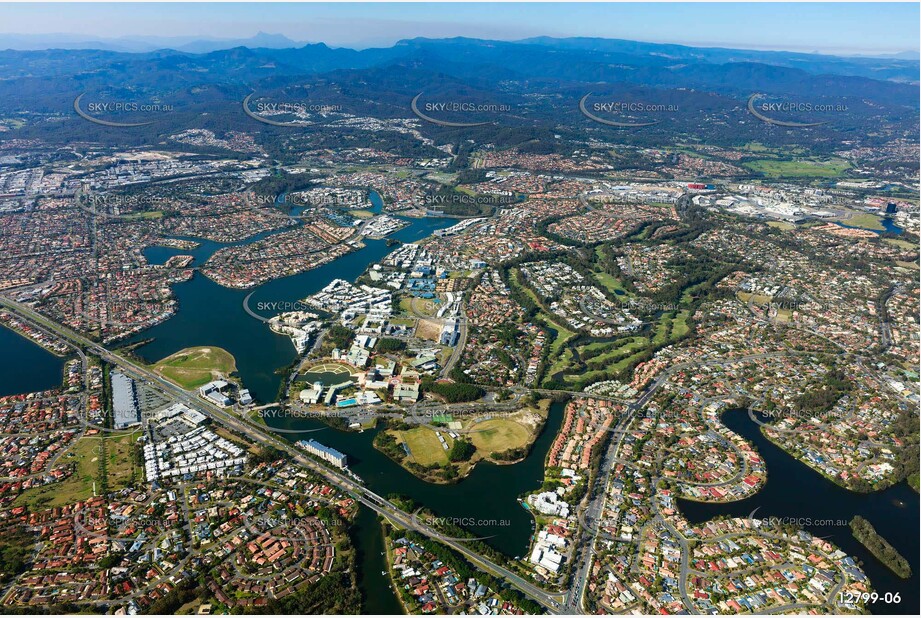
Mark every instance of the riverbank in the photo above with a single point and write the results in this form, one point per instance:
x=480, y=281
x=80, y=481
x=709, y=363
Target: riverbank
x=430, y=451
x=796, y=495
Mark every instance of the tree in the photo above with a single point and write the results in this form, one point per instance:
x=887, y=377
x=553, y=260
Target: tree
x=461, y=450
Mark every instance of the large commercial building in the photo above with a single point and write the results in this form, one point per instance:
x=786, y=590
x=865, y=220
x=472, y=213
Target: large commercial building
x=125, y=408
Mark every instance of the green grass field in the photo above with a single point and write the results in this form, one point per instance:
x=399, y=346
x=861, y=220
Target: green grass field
x=902, y=244
x=863, y=220
x=781, y=225
x=755, y=147
x=150, y=214
x=424, y=446
x=498, y=435
x=617, y=350
x=612, y=284
x=680, y=324
x=193, y=367
x=758, y=299
x=803, y=168
x=85, y=454
x=337, y=368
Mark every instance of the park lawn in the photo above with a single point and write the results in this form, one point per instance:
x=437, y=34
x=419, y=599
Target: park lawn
x=193, y=367
x=563, y=334
x=498, y=435
x=84, y=454
x=597, y=345
x=781, y=225
x=801, y=168
x=424, y=446
x=426, y=307
x=361, y=213
x=561, y=364
x=516, y=281
x=908, y=265
x=584, y=379
x=405, y=304
x=121, y=468
x=863, y=220
x=756, y=147
x=902, y=244
x=147, y=214
x=622, y=364
x=330, y=367
x=687, y=296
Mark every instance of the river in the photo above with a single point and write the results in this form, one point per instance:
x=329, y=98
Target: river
x=210, y=314
x=25, y=366
x=486, y=501
x=798, y=494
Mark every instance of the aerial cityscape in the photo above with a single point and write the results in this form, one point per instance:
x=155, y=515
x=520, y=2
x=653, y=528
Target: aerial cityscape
x=434, y=308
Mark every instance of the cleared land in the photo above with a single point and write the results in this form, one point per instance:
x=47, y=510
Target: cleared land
x=429, y=330
x=192, y=367
x=758, y=299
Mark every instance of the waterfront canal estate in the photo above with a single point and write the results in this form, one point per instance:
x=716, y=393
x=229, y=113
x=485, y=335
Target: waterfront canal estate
x=452, y=310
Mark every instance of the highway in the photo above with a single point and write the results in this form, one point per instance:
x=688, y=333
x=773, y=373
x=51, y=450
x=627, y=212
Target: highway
x=585, y=548
x=550, y=601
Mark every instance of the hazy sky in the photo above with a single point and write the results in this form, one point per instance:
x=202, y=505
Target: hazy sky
x=827, y=27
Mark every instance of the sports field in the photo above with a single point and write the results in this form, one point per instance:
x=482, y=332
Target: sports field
x=498, y=434
x=424, y=446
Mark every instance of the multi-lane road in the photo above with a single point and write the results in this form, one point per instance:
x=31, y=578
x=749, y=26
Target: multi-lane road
x=551, y=601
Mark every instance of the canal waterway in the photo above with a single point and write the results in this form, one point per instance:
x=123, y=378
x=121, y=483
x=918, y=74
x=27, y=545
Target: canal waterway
x=25, y=366
x=486, y=502
x=797, y=494
x=378, y=596
x=210, y=314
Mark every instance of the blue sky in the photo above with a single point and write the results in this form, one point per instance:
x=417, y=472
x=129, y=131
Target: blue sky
x=826, y=27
